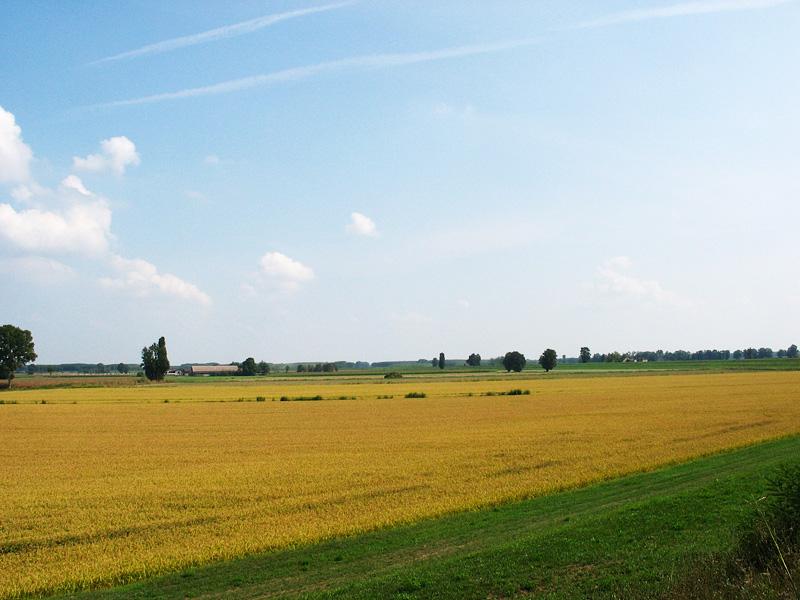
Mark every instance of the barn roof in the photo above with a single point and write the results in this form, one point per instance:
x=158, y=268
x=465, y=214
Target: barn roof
x=200, y=369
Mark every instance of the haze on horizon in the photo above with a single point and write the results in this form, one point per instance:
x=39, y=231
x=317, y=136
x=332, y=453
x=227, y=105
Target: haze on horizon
x=363, y=180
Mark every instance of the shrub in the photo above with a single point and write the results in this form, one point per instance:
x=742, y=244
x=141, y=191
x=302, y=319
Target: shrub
x=416, y=395
x=260, y=399
x=393, y=375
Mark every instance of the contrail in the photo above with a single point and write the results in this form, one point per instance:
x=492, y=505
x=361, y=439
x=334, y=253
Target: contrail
x=220, y=33
x=684, y=9
x=371, y=61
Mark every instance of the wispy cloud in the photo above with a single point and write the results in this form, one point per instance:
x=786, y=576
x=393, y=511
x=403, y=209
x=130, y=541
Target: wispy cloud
x=682, y=9
x=370, y=61
x=219, y=33
x=614, y=279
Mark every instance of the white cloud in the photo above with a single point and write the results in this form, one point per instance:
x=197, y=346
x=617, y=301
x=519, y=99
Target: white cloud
x=143, y=279
x=613, y=279
x=369, y=61
x=285, y=273
x=362, y=225
x=682, y=9
x=36, y=269
x=212, y=160
x=219, y=33
x=15, y=155
x=25, y=191
x=81, y=228
x=74, y=183
x=116, y=154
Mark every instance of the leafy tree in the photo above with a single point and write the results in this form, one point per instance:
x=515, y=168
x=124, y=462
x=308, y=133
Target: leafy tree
x=263, y=368
x=514, y=361
x=31, y=370
x=16, y=349
x=474, y=360
x=329, y=368
x=764, y=353
x=441, y=360
x=248, y=367
x=435, y=362
x=585, y=355
x=548, y=360
x=122, y=368
x=100, y=368
x=791, y=351
x=301, y=368
x=737, y=355
x=154, y=360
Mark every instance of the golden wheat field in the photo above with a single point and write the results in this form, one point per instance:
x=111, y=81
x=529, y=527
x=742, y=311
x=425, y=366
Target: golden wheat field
x=122, y=485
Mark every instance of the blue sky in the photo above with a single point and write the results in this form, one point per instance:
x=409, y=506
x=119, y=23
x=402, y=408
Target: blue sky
x=382, y=180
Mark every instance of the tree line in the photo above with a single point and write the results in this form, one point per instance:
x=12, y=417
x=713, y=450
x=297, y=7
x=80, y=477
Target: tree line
x=586, y=356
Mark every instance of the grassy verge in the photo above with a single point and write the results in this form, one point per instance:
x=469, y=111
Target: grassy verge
x=630, y=537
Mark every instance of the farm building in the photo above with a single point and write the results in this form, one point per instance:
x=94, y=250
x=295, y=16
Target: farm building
x=213, y=370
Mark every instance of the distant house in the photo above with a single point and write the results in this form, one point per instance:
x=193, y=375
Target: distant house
x=213, y=370
x=175, y=372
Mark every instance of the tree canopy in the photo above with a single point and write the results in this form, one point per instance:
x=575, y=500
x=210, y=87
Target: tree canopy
x=548, y=360
x=585, y=355
x=16, y=349
x=514, y=361
x=155, y=361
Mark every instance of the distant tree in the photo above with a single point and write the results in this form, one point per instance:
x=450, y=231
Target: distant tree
x=514, y=361
x=764, y=353
x=435, y=362
x=441, y=360
x=154, y=360
x=301, y=368
x=31, y=370
x=585, y=355
x=100, y=368
x=263, y=368
x=248, y=367
x=781, y=353
x=474, y=360
x=16, y=350
x=329, y=368
x=286, y=368
x=548, y=360
x=162, y=361
x=737, y=355
x=791, y=351
x=122, y=368
x=50, y=369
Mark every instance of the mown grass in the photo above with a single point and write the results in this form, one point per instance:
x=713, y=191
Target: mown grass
x=639, y=536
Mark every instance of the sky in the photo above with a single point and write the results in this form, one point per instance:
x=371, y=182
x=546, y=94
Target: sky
x=380, y=180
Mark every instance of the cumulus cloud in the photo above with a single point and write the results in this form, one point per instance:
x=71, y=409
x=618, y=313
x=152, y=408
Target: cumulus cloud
x=285, y=273
x=116, y=154
x=362, y=225
x=143, y=279
x=81, y=228
x=15, y=155
x=74, y=183
x=614, y=279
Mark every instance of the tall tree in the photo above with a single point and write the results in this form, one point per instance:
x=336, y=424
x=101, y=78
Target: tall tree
x=122, y=368
x=441, y=360
x=474, y=360
x=514, y=361
x=791, y=351
x=16, y=349
x=585, y=355
x=548, y=360
x=154, y=360
x=248, y=367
